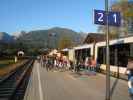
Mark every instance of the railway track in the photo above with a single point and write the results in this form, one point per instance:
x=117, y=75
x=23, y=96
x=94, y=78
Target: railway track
x=14, y=85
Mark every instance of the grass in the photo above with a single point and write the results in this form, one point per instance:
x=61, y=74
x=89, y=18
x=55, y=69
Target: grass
x=4, y=63
x=6, y=66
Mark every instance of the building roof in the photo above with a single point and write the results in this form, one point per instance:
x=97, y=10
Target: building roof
x=94, y=37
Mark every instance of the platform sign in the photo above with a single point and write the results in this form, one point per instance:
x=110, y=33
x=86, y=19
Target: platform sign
x=114, y=18
x=99, y=17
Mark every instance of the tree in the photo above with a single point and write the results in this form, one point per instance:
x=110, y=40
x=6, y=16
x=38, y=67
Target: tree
x=65, y=42
x=126, y=8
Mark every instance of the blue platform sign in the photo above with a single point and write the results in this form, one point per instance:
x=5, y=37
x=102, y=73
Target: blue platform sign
x=100, y=17
x=114, y=18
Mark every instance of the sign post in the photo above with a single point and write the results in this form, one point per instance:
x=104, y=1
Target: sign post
x=107, y=18
x=107, y=53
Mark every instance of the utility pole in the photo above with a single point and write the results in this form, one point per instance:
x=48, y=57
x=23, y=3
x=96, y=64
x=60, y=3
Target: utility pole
x=107, y=54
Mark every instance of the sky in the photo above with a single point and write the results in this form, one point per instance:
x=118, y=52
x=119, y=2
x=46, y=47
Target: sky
x=27, y=15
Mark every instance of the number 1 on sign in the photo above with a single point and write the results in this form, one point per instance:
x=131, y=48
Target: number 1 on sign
x=114, y=16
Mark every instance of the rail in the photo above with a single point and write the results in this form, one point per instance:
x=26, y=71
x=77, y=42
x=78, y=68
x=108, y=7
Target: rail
x=13, y=86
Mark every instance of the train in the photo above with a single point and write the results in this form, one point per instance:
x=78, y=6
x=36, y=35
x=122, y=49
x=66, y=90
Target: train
x=120, y=49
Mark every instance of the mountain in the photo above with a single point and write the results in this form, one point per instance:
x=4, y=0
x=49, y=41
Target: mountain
x=50, y=37
x=6, y=38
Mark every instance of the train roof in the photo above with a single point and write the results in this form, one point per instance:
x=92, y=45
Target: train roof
x=123, y=40
x=128, y=39
x=84, y=46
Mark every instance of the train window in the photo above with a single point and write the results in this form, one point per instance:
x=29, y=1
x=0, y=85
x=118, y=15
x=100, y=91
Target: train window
x=101, y=55
x=118, y=54
x=123, y=53
x=82, y=54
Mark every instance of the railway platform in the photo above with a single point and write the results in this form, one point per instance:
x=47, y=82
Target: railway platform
x=67, y=85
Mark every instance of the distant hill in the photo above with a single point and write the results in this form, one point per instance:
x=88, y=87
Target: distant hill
x=6, y=38
x=50, y=37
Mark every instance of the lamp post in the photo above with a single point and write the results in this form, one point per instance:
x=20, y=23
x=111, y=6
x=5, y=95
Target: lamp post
x=107, y=18
x=107, y=54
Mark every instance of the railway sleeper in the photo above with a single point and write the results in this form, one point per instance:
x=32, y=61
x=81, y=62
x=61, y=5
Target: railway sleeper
x=10, y=85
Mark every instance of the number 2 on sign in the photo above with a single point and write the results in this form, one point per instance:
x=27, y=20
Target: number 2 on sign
x=100, y=19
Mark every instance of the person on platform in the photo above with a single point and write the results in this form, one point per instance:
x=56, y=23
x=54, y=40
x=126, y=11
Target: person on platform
x=93, y=64
x=130, y=67
x=129, y=71
x=86, y=63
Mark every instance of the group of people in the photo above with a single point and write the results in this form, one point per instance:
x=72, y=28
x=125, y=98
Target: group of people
x=89, y=64
x=63, y=63
x=57, y=63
